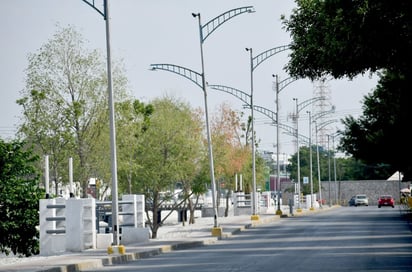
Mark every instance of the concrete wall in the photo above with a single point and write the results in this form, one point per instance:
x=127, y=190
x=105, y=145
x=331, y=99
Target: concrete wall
x=342, y=191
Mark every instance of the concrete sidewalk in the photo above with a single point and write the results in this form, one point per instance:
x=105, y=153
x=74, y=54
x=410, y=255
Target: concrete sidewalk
x=170, y=237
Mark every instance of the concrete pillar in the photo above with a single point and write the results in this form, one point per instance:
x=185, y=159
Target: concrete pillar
x=80, y=224
x=51, y=219
x=135, y=211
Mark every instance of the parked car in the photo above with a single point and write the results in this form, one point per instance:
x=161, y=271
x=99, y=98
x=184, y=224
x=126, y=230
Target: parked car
x=361, y=200
x=386, y=200
x=351, y=201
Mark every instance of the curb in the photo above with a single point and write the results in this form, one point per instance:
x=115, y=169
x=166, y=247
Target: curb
x=96, y=261
x=127, y=257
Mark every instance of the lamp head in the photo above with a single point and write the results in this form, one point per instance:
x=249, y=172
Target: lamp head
x=195, y=14
x=247, y=49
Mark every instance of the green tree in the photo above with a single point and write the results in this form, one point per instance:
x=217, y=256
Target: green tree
x=65, y=109
x=380, y=134
x=347, y=38
x=132, y=120
x=347, y=168
x=19, y=200
x=168, y=154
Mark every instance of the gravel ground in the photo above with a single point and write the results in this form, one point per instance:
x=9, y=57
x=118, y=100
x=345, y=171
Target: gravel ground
x=12, y=259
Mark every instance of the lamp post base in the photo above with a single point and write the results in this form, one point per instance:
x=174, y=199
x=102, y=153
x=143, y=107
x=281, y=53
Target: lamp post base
x=254, y=217
x=217, y=231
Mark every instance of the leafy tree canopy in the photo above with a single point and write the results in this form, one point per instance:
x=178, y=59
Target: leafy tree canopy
x=19, y=200
x=380, y=135
x=346, y=38
x=65, y=109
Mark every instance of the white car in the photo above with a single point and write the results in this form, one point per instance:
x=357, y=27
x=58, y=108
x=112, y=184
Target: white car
x=361, y=200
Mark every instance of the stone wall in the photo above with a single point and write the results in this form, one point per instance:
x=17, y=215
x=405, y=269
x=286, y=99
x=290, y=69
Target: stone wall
x=341, y=191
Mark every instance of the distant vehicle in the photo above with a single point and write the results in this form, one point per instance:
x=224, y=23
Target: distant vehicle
x=386, y=200
x=361, y=200
x=351, y=201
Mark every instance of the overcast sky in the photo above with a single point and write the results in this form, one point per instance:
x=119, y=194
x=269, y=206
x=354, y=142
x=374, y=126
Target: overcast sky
x=145, y=32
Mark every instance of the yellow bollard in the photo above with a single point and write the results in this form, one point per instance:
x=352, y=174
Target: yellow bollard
x=217, y=231
x=254, y=217
x=122, y=249
x=110, y=250
x=119, y=249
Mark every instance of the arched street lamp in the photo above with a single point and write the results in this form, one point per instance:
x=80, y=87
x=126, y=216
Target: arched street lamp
x=255, y=216
x=115, y=201
x=310, y=161
x=200, y=80
x=279, y=86
x=254, y=63
x=272, y=115
x=317, y=128
x=334, y=165
x=300, y=106
x=329, y=167
x=330, y=200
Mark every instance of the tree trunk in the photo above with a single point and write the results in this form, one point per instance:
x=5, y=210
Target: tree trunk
x=227, y=203
x=192, y=208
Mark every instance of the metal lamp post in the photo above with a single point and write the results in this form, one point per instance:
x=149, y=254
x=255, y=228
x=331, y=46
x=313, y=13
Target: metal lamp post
x=299, y=107
x=255, y=216
x=317, y=128
x=334, y=166
x=115, y=202
x=200, y=80
x=299, y=209
x=279, y=86
x=310, y=161
x=254, y=62
x=330, y=200
x=204, y=32
x=246, y=98
x=318, y=160
x=329, y=169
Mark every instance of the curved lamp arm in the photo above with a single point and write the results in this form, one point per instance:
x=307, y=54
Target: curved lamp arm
x=193, y=76
x=213, y=24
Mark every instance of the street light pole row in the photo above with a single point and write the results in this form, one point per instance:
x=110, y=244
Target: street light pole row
x=317, y=128
x=299, y=107
x=254, y=62
x=279, y=86
x=204, y=32
x=310, y=161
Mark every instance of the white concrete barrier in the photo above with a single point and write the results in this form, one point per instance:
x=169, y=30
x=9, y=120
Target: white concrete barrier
x=70, y=225
x=52, y=230
x=80, y=224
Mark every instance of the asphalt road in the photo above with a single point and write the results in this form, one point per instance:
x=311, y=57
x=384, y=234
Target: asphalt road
x=342, y=239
